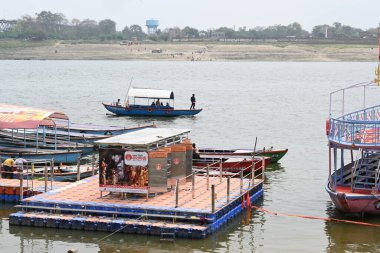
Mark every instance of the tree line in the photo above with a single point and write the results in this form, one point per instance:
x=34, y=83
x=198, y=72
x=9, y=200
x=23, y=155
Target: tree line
x=48, y=25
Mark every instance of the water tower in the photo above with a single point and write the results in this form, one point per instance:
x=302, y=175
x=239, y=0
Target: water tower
x=152, y=25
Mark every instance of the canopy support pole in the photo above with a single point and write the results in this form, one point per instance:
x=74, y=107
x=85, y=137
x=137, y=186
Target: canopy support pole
x=55, y=137
x=68, y=128
x=44, y=135
x=24, y=139
x=37, y=140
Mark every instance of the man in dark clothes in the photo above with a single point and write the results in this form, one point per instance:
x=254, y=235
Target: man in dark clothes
x=192, y=99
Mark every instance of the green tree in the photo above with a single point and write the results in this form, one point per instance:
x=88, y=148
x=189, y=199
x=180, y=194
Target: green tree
x=190, y=32
x=107, y=26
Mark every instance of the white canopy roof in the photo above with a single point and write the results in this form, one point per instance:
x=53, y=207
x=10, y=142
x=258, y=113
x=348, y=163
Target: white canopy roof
x=150, y=93
x=144, y=137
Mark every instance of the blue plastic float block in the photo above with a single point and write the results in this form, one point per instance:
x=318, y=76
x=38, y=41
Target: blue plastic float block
x=16, y=218
x=78, y=223
x=237, y=209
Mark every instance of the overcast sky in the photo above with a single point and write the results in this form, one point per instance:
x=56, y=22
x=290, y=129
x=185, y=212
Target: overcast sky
x=205, y=14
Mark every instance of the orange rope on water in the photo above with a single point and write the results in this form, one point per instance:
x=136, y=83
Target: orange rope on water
x=315, y=217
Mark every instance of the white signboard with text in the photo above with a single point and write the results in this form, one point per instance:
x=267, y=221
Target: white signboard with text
x=136, y=158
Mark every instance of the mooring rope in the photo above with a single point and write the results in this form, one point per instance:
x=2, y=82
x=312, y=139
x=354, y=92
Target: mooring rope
x=101, y=239
x=315, y=217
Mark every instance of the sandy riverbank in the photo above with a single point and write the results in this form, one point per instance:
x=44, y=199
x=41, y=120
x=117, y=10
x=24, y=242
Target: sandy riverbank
x=53, y=50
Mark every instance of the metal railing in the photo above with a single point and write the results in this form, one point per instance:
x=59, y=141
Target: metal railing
x=204, y=186
x=358, y=133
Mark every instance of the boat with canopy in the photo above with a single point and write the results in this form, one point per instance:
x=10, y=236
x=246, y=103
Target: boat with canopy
x=14, y=117
x=353, y=132
x=143, y=102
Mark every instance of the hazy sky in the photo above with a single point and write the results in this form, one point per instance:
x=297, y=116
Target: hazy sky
x=204, y=14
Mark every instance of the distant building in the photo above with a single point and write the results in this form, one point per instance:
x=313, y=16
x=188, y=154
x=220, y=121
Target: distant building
x=217, y=35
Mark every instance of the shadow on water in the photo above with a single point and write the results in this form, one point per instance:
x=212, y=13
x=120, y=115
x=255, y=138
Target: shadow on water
x=345, y=237
x=275, y=167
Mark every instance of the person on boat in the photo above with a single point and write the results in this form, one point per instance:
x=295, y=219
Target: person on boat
x=7, y=166
x=118, y=102
x=19, y=162
x=153, y=104
x=167, y=104
x=193, y=100
x=195, y=152
x=158, y=103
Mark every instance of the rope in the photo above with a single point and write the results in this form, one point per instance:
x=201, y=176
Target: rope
x=101, y=239
x=315, y=217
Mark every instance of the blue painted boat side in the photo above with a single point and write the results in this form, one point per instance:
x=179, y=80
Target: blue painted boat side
x=66, y=158
x=160, y=111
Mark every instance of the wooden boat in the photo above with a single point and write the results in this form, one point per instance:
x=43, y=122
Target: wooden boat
x=230, y=164
x=8, y=139
x=64, y=173
x=106, y=131
x=59, y=156
x=274, y=155
x=148, y=109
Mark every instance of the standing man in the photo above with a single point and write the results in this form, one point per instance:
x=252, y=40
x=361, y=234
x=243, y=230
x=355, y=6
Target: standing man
x=19, y=162
x=192, y=99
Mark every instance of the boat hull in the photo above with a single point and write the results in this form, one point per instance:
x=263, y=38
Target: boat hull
x=233, y=167
x=149, y=111
x=71, y=157
x=355, y=203
x=274, y=155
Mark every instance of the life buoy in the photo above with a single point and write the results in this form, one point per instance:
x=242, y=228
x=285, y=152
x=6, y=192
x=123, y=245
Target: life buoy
x=150, y=109
x=327, y=126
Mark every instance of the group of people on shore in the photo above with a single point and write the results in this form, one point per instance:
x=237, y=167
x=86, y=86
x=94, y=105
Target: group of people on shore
x=10, y=163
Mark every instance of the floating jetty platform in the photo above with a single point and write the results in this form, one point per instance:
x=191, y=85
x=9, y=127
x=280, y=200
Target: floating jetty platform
x=187, y=212
x=146, y=185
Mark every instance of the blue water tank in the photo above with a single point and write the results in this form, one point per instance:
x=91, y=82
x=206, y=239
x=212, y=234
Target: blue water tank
x=152, y=23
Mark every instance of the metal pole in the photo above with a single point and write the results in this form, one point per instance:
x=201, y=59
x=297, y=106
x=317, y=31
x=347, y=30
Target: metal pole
x=330, y=165
x=32, y=177
x=263, y=169
x=93, y=164
x=228, y=189
x=241, y=181
x=78, y=170
x=343, y=104
x=253, y=170
x=21, y=185
x=193, y=184
x=177, y=193
x=46, y=176
x=51, y=173
x=213, y=198
x=208, y=177
x=221, y=170
x=254, y=149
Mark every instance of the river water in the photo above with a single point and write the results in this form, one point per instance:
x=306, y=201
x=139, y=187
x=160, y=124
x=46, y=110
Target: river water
x=284, y=104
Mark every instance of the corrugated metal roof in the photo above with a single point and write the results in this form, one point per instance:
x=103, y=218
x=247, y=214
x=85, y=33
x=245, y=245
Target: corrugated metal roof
x=144, y=137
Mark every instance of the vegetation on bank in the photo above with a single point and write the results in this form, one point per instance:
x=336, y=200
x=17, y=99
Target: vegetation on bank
x=48, y=25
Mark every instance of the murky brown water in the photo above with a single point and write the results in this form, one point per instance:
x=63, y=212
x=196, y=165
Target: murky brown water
x=284, y=104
